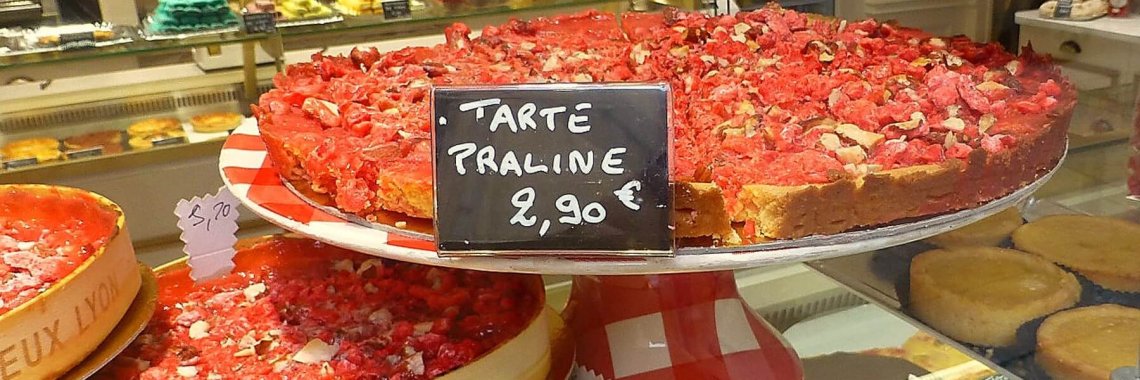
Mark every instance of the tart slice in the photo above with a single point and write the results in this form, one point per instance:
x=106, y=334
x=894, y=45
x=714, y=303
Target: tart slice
x=1090, y=342
x=1104, y=250
x=982, y=295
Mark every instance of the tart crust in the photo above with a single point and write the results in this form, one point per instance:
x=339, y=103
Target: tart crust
x=1070, y=342
x=986, y=304
x=988, y=232
x=1100, y=248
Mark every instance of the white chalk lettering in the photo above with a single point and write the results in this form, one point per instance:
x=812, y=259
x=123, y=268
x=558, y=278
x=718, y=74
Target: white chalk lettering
x=478, y=106
x=461, y=152
x=611, y=163
x=549, y=114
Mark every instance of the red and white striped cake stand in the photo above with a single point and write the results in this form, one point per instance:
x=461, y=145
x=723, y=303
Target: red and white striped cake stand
x=634, y=318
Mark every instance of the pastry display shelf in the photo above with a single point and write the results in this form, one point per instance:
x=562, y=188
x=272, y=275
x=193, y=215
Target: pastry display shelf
x=430, y=18
x=633, y=317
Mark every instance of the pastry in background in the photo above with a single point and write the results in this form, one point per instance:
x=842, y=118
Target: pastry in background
x=1088, y=343
x=151, y=127
x=147, y=142
x=43, y=149
x=1104, y=250
x=1082, y=9
x=110, y=141
x=358, y=7
x=302, y=9
x=215, y=122
x=991, y=231
x=176, y=16
x=982, y=295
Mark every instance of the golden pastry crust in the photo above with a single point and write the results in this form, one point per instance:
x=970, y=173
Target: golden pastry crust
x=1088, y=343
x=140, y=143
x=215, y=122
x=152, y=127
x=1104, y=250
x=43, y=149
x=988, y=232
x=982, y=295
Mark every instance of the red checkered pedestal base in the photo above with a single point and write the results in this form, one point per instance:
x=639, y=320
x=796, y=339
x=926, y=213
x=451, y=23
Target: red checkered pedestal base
x=673, y=327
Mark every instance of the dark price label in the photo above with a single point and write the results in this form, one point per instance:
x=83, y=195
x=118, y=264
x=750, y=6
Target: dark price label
x=19, y=163
x=396, y=9
x=553, y=169
x=85, y=153
x=77, y=40
x=257, y=23
x=173, y=140
x=1064, y=9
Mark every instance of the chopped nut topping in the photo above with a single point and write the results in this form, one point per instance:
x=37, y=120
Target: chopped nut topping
x=954, y=124
x=253, y=290
x=915, y=121
x=986, y=122
x=830, y=141
x=527, y=45
x=315, y=351
x=741, y=28
x=187, y=371
x=680, y=51
x=199, y=330
x=851, y=154
x=865, y=138
x=950, y=140
x=991, y=86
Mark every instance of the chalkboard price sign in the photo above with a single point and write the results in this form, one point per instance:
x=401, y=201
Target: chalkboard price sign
x=394, y=9
x=261, y=22
x=571, y=169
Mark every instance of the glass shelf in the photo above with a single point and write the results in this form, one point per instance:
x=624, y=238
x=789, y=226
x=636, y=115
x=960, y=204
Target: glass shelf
x=434, y=13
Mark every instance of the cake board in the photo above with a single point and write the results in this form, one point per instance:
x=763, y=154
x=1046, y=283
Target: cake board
x=634, y=317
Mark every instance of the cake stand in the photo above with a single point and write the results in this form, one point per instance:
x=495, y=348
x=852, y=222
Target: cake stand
x=633, y=317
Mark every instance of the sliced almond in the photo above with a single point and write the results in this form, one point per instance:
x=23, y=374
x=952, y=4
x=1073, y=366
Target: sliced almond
x=830, y=141
x=187, y=371
x=950, y=140
x=990, y=86
x=834, y=97
x=986, y=122
x=583, y=78
x=708, y=59
x=937, y=42
x=680, y=51
x=954, y=124
x=826, y=57
x=245, y=352
x=369, y=264
x=527, y=45
x=1013, y=66
x=915, y=121
x=952, y=110
x=851, y=154
x=253, y=290
x=552, y=63
x=741, y=28
x=315, y=351
x=865, y=138
x=638, y=54
x=738, y=38
x=199, y=330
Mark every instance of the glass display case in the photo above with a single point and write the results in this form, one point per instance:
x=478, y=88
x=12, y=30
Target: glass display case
x=145, y=122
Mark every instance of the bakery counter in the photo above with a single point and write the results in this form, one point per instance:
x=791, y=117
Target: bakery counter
x=1020, y=287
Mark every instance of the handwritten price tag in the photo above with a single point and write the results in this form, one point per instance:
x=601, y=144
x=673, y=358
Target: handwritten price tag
x=209, y=227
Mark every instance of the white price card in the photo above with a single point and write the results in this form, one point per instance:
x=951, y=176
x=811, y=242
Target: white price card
x=209, y=228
